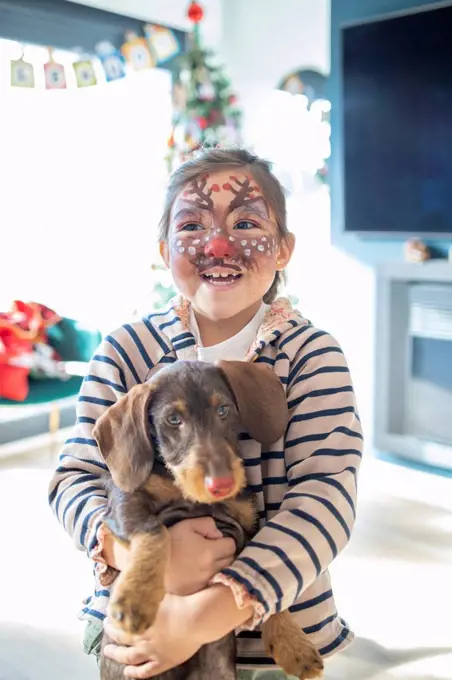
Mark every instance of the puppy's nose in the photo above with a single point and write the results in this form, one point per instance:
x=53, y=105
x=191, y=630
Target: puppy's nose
x=219, y=487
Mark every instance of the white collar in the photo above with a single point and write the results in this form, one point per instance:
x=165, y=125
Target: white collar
x=233, y=349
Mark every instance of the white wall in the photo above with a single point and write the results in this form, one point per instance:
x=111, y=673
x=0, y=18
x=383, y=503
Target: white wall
x=263, y=40
x=170, y=12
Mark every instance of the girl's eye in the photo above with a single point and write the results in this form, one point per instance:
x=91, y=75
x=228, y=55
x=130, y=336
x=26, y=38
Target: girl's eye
x=191, y=226
x=174, y=420
x=246, y=224
x=223, y=411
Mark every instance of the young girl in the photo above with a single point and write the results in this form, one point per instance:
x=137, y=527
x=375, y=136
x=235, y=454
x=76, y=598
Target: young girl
x=224, y=236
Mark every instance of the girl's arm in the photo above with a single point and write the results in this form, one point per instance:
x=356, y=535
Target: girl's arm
x=76, y=495
x=323, y=450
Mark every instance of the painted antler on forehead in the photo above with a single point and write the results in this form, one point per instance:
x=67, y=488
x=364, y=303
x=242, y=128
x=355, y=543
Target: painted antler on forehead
x=243, y=195
x=203, y=199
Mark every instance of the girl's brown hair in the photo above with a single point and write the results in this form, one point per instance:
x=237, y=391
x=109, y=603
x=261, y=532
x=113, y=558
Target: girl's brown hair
x=209, y=161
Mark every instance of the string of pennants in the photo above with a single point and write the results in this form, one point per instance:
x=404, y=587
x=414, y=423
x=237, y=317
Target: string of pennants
x=158, y=46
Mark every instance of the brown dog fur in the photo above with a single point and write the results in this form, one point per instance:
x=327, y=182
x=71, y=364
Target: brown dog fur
x=196, y=412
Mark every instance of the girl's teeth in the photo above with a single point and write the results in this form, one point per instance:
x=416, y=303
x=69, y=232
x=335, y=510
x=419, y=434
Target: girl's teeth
x=218, y=278
x=221, y=276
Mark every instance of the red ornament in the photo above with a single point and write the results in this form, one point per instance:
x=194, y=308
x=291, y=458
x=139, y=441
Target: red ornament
x=203, y=123
x=195, y=12
x=232, y=99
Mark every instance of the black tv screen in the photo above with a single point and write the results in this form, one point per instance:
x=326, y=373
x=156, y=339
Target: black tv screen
x=397, y=99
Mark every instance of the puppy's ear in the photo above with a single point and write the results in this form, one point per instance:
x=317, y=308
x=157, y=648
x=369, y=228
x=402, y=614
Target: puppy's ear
x=123, y=436
x=260, y=399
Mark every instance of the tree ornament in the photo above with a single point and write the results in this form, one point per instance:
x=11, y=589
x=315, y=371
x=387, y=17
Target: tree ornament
x=195, y=12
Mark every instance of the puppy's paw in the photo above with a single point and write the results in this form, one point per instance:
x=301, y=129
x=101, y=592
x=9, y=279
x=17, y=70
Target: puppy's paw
x=290, y=648
x=133, y=607
x=298, y=658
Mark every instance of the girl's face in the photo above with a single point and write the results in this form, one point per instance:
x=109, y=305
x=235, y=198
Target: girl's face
x=223, y=246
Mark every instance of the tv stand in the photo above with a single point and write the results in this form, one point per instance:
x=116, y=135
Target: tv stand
x=413, y=372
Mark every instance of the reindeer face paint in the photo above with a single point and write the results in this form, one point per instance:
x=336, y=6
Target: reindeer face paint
x=223, y=237
x=223, y=222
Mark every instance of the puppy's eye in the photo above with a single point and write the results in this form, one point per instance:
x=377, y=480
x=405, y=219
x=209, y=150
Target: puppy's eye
x=223, y=411
x=174, y=420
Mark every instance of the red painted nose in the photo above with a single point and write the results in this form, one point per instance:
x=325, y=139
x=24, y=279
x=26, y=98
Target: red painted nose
x=219, y=487
x=219, y=247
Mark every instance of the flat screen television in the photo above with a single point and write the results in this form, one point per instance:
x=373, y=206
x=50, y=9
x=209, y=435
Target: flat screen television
x=397, y=108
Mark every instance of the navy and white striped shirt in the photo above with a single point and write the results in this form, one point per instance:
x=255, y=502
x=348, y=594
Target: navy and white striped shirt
x=305, y=484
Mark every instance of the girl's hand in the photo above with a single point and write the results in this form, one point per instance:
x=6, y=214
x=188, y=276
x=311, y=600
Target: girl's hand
x=182, y=626
x=115, y=554
x=171, y=641
x=198, y=552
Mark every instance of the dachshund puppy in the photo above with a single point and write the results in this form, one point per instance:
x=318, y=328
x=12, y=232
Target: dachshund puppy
x=172, y=448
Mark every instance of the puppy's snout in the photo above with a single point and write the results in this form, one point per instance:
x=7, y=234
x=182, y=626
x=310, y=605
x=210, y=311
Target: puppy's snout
x=220, y=487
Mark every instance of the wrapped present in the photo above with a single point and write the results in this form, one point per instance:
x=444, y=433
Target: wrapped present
x=24, y=350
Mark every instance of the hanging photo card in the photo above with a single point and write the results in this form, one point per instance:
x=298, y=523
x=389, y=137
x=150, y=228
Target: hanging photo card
x=22, y=73
x=54, y=74
x=84, y=73
x=137, y=53
x=112, y=61
x=162, y=42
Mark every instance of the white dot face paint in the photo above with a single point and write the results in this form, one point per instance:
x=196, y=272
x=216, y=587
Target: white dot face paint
x=199, y=248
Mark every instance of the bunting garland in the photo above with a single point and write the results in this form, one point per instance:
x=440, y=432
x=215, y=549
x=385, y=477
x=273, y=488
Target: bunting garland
x=156, y=46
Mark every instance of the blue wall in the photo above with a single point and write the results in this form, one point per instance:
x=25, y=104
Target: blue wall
x=371, y=251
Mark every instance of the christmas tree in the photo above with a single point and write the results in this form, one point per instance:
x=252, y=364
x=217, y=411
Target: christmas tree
x=205, y=108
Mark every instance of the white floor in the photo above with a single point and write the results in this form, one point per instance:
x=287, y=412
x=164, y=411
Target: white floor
x=393, y=583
